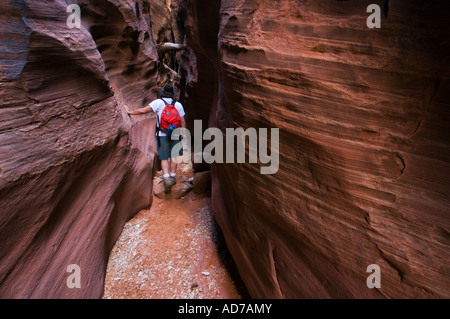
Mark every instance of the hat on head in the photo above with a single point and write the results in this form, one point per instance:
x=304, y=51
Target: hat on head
x=168, y=91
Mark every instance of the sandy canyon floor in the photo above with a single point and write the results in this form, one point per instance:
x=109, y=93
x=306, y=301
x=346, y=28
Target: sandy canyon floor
x=172, y=250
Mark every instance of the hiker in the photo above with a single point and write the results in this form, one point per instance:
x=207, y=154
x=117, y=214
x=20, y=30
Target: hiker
x=166, y=122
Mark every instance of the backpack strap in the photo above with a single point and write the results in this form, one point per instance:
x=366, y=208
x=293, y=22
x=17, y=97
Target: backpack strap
x=158, y=129
x=157, y=118
x=173, y=102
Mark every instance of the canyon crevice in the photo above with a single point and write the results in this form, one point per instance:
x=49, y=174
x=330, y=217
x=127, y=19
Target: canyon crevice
x=364, y=157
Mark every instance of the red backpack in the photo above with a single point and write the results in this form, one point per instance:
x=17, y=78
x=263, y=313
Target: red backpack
x=169, y=117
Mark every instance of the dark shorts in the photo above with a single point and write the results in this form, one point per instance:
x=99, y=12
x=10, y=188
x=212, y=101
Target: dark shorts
x=165, y=148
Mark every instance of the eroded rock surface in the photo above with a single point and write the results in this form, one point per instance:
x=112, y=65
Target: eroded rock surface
x=73, y=166
x=364, y=147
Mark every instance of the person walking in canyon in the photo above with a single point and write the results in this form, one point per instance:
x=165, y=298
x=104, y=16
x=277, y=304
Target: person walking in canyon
x=170, y=115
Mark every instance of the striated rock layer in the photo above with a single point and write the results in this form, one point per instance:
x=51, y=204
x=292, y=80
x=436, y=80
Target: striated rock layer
x=73, y=166
x=364, y=175
x=364, y=139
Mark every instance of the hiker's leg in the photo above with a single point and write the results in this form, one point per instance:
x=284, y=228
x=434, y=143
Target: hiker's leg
x=163, y=148
x=173, y=165
x=165, y=166
x=176, y=150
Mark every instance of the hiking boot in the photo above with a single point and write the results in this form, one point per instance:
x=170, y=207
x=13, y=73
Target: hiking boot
x=167, y=185
x=172, y=181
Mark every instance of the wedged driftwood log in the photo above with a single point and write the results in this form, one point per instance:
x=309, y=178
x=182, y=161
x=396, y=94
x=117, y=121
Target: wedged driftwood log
x=167, y=71
x=167, y=46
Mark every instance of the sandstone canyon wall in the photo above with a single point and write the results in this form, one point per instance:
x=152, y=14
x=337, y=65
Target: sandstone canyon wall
x=364, y=174
x=73, y=166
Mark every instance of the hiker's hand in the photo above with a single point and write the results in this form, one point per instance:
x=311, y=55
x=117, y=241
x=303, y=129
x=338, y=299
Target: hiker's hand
x=127, y=110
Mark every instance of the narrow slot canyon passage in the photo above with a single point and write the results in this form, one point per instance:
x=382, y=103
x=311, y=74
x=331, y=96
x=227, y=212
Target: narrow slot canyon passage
x=174, y=249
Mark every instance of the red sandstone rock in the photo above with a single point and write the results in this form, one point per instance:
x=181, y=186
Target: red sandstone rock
x=202, y=182
x=73, y=166
x=364, y=148
x=179, y=190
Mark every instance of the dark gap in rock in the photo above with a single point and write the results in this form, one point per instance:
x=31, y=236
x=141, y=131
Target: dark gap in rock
x=228, y=261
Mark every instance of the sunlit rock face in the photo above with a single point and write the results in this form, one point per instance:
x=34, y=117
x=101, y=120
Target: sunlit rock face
x=364, y=158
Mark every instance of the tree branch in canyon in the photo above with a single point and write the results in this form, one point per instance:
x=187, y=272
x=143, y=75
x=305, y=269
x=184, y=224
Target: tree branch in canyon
x=167, y=46
x=169, y=72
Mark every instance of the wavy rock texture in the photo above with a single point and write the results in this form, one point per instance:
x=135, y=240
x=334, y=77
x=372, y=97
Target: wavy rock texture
x=73, y=166
x=364, y=147
x=364, y=134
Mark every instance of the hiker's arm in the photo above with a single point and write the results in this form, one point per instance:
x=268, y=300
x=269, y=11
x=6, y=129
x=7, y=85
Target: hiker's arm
x=140, y=111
